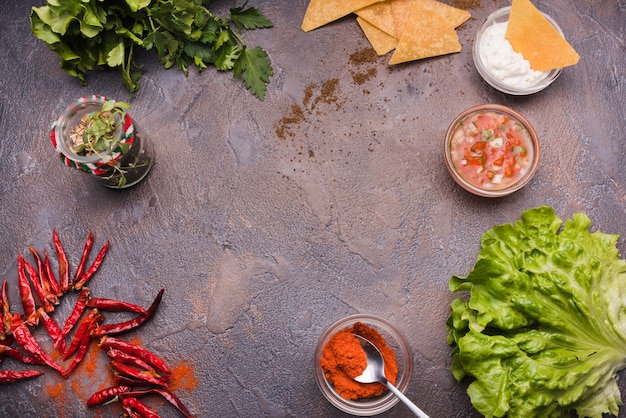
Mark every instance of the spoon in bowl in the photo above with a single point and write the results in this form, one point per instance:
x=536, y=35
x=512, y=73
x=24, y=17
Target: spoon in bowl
x=375, y=372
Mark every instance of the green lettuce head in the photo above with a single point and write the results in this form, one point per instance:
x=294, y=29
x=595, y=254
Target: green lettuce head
x=543, y=331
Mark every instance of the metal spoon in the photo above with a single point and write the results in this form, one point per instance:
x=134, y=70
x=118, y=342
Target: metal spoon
x=375, y=372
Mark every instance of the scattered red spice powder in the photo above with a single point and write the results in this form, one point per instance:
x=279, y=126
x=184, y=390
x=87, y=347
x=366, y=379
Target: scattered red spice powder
x=183, y=377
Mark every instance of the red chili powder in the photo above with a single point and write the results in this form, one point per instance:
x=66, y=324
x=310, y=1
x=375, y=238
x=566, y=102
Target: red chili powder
x=183, y=377
x=343, y=359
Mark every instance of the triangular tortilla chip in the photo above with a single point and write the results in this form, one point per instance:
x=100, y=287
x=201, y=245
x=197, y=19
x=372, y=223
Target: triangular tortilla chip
x=379, y=15
x=381, y=41
x=426, y=34
x=455, y=16
x=532, y=35
x=400, y=10
x=322, y=12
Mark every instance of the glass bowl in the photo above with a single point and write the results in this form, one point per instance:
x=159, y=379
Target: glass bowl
x=491, y=163
x=502, y=15
x=394, y=339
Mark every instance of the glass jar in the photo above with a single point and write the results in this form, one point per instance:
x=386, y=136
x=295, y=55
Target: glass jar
x=124, y=164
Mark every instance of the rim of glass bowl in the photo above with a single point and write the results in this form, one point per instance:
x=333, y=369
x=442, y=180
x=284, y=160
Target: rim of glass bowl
x=502, y=15
x=511, y=113
x=70, y=117
x=395, y=339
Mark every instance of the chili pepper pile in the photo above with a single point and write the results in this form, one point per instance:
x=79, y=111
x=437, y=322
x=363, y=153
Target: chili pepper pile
x=137, y=372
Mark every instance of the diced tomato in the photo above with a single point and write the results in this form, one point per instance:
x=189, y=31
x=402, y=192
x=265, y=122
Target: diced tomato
x=484, y=122
x=478, y=146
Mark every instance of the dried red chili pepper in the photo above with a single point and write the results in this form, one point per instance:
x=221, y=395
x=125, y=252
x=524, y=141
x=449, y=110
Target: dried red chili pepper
x=34, y=278
x=9, y=376
x=118, y=328
x=64, y=265
x=106, y=395
x=2, y=312
x=149, y=378
x=25, y=339
x=88, y=323
x=84, y=278
x=77, y=312
x=5, y=327
x=83, y=258
x=113, y=305
x=26, y=294
x=18, y=355
x=55, y=287
x=120, y=379
x=54, y=331
x=44, y=282
x=5, y=344
x=166, y=394
x=83, y=346
x=134, y=361
x=136, y=350
x=132, y=413
x=135, y=404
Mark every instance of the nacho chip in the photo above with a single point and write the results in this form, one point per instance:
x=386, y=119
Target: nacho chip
x=532, y=35
x=322, y=12
x=425, y=35
x=379, y=15
x=455, y=16
x=400, y=10
x=381, y=41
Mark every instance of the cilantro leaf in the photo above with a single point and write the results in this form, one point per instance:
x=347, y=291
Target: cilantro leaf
x=250, y=18
x=256, y=69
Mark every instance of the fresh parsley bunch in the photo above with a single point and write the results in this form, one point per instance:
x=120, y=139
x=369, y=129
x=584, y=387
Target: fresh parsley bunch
x=90, y=34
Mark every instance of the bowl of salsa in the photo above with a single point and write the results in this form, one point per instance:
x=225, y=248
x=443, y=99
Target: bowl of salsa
x=491, y=150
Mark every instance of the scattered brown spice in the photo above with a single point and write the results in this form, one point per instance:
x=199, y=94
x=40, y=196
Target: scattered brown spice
x=308, y=93
x=467, y=4
x=328, y=92
x=362, y=77
x=363, y=56
x=295, y=117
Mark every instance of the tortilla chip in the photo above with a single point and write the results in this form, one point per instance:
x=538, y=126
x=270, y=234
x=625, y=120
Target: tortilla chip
x=532, y=35
x=455, y=16
x=425, y=35
x=322, y=12
x=381, y=41
x=400, y=10
x=379, y=15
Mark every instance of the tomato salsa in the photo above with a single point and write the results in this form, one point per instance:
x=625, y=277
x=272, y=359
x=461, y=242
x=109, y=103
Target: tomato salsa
x=491, y=150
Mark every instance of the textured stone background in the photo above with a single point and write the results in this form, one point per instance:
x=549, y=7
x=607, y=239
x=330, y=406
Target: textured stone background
x=268, y=221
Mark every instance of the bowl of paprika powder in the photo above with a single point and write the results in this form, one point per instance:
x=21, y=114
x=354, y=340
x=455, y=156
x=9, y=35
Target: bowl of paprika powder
x=339, y=357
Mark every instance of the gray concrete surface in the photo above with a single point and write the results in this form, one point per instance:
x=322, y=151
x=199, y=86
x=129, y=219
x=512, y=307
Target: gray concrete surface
x=266, y=230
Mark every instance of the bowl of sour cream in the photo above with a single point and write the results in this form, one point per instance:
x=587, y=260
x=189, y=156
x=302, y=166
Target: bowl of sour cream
x=503, y=68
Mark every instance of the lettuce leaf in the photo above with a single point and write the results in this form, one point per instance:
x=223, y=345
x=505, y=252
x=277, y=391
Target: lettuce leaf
x=543, y=330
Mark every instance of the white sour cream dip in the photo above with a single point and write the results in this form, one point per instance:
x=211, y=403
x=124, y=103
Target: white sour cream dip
x=502, y=62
